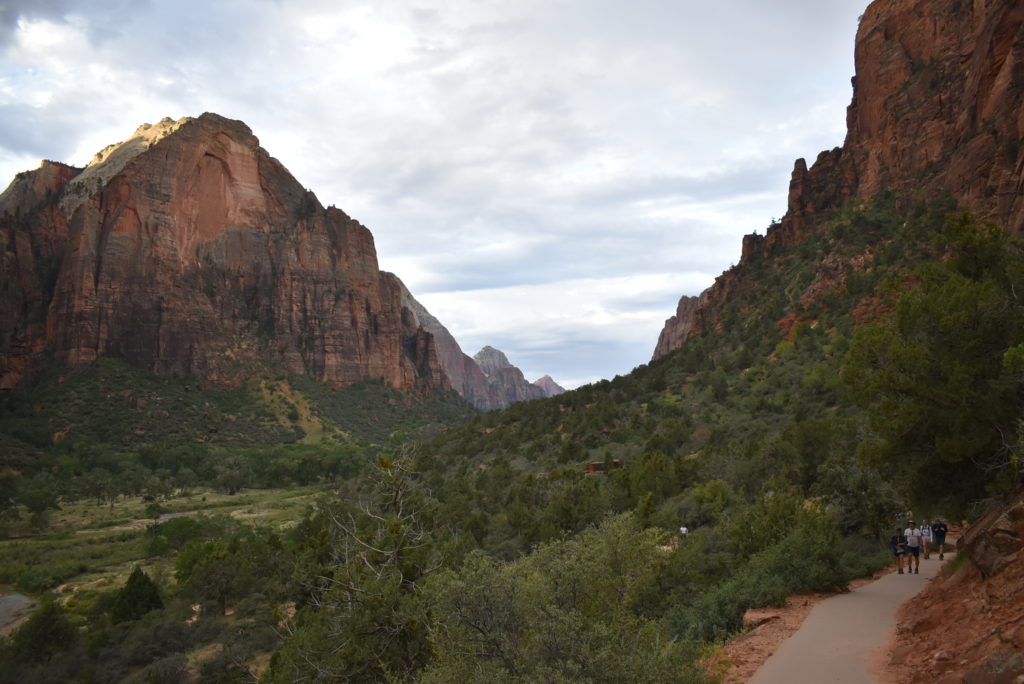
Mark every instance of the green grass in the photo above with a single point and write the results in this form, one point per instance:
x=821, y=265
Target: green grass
x=91, y=544
x=34, y=565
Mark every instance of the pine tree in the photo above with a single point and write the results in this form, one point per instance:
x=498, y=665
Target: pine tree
x=138, y=596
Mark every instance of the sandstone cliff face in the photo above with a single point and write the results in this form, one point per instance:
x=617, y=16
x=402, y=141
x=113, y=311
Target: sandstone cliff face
x=676, y=328
x=188, y=249
x=34, y=235
x=938, y=107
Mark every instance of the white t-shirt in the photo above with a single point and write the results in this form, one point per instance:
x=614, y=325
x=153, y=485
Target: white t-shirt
x=913, y=535
x=926, y=532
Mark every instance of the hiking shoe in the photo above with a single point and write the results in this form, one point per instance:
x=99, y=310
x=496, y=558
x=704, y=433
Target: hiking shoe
x=940, y=556
x=917, y=571
x=900, y=572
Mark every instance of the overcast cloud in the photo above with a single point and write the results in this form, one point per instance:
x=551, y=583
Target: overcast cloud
x=546, y=176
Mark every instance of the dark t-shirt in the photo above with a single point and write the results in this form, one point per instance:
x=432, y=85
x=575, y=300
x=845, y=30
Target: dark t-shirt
x=898, y=543
x=939, y=530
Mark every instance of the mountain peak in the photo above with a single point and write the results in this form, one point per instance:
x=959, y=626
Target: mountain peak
x=491, y=360
x=550, y=387
x=112, y=159
x=188, y=249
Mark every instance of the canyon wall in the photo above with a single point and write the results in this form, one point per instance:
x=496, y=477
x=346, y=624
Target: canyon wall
x=188, y=249
x=938, y=108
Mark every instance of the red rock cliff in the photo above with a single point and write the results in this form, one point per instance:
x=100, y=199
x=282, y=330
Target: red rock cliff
x=938, y=107
x=188, y=249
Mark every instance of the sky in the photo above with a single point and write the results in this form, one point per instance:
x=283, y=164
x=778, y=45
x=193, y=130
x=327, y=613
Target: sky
x=547, y=177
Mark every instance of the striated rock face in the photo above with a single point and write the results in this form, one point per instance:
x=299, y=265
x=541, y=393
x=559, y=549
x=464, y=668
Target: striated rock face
x=34, y=236
x=188, y=249
x=938, y=107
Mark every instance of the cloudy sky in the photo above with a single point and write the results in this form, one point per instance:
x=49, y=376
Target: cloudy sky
x=546, y=176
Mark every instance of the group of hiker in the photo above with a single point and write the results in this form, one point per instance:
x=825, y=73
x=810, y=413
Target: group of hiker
x=912, y=542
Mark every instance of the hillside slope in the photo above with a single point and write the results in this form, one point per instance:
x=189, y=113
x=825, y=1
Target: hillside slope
x=937, y=110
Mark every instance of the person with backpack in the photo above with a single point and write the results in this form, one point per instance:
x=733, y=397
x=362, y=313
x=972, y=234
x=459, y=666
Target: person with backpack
x=939, y=531
x=914, y=537
x=898, y=544
x=926, y=538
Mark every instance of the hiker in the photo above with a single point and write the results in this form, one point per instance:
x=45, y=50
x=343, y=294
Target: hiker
x=939, y=530
x=914, y=537
x=926, y=538
x=898, y=544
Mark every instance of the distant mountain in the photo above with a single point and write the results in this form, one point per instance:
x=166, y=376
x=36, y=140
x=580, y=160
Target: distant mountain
x=488, y=380
x=936, y=111
x=550, y=387
x=508, y=384
x=491, y=360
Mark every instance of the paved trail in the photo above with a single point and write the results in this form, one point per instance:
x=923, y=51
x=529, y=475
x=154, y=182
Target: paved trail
x=837, y=641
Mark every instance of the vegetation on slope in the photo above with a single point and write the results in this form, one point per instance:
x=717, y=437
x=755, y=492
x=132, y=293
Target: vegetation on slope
x=874, y=368
x=109, y=429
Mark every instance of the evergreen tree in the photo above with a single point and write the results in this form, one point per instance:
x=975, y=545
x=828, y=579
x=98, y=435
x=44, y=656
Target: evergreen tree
x=137, y=597
x=940, y=398
x=369, y=620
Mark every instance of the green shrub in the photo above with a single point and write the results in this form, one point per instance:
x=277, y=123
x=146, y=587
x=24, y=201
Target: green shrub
x=808, y=559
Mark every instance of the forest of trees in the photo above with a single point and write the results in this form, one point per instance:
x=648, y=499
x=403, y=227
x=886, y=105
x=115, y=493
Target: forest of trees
x=476, y=547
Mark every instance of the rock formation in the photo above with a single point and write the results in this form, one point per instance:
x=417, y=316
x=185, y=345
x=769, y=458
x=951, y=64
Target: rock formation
x=550, y=387
x=463, y=372
x=508, y=384
x=676, y=328
x=938, y=107
x=487, y=381
x=188, y=249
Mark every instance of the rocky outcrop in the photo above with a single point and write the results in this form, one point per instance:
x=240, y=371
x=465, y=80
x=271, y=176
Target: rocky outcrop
x=188, y=249
x=938, y=107
x=994, y=542
x=677, y=328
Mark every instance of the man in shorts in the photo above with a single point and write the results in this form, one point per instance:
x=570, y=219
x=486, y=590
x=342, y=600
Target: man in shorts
x=939, y=530
x=914, y=538
x=898, y=544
